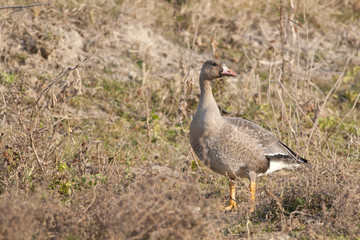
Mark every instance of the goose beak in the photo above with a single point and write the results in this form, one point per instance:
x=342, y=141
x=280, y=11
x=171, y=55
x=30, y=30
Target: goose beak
x=227, y=72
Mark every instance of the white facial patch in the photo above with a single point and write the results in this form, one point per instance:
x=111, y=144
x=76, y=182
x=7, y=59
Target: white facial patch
x=225, y=68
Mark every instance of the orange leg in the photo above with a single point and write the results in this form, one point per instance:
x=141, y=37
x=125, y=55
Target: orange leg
x=232, y=204
x=252, y=197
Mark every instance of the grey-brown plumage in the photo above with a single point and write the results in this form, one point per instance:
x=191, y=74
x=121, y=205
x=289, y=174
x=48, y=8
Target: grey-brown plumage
x=234, y=147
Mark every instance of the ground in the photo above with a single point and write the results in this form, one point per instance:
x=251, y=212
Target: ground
x=97, y=98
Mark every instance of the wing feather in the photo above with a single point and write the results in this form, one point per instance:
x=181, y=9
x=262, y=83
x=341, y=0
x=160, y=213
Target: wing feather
x=272, y=147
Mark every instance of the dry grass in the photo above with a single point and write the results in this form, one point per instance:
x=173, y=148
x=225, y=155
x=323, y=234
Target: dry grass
x=101, y=151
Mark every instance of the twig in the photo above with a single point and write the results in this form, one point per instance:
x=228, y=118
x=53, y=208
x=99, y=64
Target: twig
x=328, y=95
x=303, y=113
x=282, y=38
x=92, y=202
x=193, y=156
x=307, y=80
x=247, y=226
x=32, y=144
x=66, y=71
x=272, y=196
x=34, y=150
x=196, y=32
x=147, y=105
x=4, y=107
x=296, y=49
x=88, y=207
x=269, y=95
x=46, y=128
x=148, y=122
x=177, y=30
x=69, y=69
x=347, y=114
x=278, y=203
x=112, y=158
x=57, y=145
x=283, y=109
x=145, y=99
x=26, y=6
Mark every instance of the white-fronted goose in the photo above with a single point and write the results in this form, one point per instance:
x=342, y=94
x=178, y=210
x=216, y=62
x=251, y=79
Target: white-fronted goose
x=234, y=147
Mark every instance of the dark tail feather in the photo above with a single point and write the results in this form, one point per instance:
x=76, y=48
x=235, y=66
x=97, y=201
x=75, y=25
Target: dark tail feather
x=297, y=157
x=302, y=160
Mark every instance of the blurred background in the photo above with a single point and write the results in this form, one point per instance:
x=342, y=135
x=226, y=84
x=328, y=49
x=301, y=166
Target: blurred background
x=96, y=99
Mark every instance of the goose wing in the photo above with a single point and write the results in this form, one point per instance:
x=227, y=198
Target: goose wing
x=272, y=147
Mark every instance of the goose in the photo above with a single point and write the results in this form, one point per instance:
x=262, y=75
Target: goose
x=234, y=147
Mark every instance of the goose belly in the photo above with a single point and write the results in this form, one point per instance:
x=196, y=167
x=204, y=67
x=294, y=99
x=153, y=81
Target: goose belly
x=232, y=162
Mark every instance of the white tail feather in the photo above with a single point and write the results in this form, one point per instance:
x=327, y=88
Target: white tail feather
x=277, y=164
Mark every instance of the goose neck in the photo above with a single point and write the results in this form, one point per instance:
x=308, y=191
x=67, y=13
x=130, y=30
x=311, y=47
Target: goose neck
x=207, y=102
x=205, y=87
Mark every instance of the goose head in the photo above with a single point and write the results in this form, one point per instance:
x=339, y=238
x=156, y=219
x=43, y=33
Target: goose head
x=213, y=69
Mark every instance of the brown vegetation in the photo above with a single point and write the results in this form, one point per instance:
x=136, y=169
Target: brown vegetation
x=96, y=100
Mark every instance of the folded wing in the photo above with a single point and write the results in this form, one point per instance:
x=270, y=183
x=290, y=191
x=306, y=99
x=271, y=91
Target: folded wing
x=273, y=148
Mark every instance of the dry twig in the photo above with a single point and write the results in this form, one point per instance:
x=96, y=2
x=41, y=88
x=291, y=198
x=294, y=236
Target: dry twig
x=196, y=32
x=329, y=94
x=61, y=75
x=345, y=116
x=4, y=107
x=26, y=6
x=34, y=112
